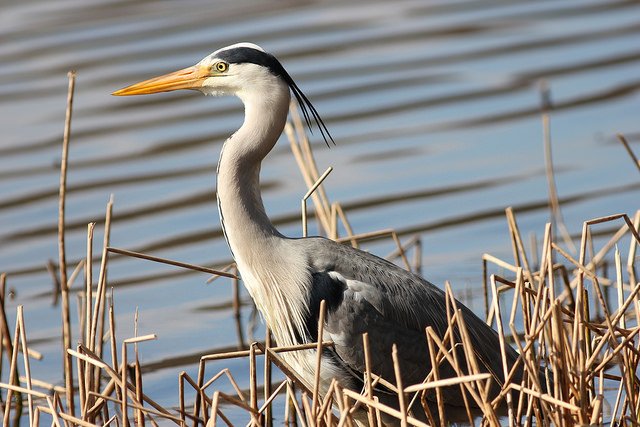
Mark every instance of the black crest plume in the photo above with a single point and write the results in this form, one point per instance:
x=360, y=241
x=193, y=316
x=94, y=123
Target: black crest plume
x=241, y=55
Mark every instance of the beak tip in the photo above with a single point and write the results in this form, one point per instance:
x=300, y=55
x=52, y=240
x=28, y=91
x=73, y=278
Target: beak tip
x=188, y=78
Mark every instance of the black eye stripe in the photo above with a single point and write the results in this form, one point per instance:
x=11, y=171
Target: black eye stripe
x=243, y=55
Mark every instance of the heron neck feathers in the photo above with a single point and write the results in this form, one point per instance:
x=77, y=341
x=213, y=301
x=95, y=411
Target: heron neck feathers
x=272, y=274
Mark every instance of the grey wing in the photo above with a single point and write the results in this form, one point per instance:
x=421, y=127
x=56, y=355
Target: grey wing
x=350, y=313
x=365, y=293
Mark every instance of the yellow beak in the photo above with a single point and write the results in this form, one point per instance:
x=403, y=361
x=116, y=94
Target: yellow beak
x=188, y=78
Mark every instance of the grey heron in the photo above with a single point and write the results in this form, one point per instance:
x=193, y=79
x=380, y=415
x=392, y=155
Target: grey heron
x=288, y=277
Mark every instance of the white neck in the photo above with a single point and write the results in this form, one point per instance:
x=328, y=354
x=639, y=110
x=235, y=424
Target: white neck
x=259, y=250
x=242, y=212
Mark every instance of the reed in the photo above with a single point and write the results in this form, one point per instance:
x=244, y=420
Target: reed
x=552, y=306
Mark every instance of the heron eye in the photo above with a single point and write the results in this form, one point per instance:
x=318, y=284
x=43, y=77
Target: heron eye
x=221, y=67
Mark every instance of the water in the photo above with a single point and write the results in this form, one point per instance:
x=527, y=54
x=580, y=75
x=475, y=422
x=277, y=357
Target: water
x=434, y=107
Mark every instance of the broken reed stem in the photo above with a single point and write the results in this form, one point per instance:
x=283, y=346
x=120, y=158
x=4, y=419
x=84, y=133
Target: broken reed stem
x=367, y=376
x=316, y=382
x=268, y=415
x=401, y=396
x=13, y=378
x=503, y=355
x=554, y=203
x=253, y=386
x=7, y=345
x=88, y=266
x=62, y=266
x=97, y=322
x=626, y=145
x=308, y=194
x=25, y=353
x=307, y=164
x=259, y=351
x=170, y=262
x=123, y=386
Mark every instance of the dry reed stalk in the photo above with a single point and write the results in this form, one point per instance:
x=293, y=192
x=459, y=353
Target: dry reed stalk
x=13, y=377
x=400, y=248
x=520, y=255
x=223, y=416
x=199, y=385
x=448, y=338
x=138, y=406
x=446, y=382
x=182, y=377
x=88, y=267
x=24, y=390
x=214, y=410
x=326, y=404
x=253, y=386
x=304, y=397
x=285, y=368
x=99, y=312
x=316, y=381
x=138, y=376
x=503, y=355
x=308, y=163
x=117, y=378
x=268, y=415
x=310, y=175
x=554, y=203
x=232, y=381
x=367, y=376
x=291, y=396
x=434, y=374
x=199, y=393
x=52, y=269
x=241, y=404
x=25, y=353
x=54, y=414
x=337, y=208
x=546, y=397
x=237, y=315
x=7, y=345
x=259, y=351
x=382, y=408
x=64, y=285
x=76, y=271
x=309, y=193
x=171, y=262
x=372, y=235
x=271, y=397
x=53, y=389
x=626, y=145
x=401, y=396
x=100, y=403
x=633, y=245
x=88, y=374
x=445, y=354
x=66, y=417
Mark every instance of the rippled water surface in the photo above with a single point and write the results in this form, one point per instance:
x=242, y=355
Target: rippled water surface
x=435, y=107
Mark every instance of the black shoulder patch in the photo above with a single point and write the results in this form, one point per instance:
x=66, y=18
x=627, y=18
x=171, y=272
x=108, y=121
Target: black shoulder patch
x=327, y=289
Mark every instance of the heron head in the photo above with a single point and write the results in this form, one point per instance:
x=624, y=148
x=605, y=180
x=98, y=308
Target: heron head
x=242, y=69
x=227, y=71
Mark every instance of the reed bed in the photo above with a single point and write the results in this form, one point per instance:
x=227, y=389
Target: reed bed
x=551, y=304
